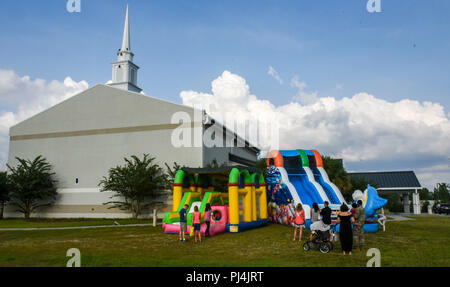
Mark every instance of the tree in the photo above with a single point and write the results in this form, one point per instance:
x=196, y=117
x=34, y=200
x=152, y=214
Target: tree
x=261, y=164
x=171, y=172
x=442, y=192
x=32, y=185
x=425, y=194
x=4, y=191
x=134, y=183
x=361, y=183
x=338, y=175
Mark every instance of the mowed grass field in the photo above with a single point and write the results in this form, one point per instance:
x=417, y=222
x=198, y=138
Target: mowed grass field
x=424, y=241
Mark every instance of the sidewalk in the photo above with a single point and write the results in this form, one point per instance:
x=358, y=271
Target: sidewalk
x=77, y=227
x=397, y=217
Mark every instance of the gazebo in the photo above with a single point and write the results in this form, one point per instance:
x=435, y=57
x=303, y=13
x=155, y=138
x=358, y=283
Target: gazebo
x=399, y=182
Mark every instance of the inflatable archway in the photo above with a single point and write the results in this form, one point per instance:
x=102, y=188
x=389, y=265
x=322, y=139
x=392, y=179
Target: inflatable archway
x=195, y=187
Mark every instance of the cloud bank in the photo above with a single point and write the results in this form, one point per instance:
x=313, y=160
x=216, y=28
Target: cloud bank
x=22, y=97
x=406, y=134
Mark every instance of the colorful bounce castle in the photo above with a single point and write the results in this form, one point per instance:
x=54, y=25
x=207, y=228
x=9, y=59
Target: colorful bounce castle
x=237, y=196
x=298, y=176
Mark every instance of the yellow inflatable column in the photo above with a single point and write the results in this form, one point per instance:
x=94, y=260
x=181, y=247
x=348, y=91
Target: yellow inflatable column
x=178, y=189
x=263, y=201
x=177, y=196
x=233, y=201
x=248, y=202
x=254, y=209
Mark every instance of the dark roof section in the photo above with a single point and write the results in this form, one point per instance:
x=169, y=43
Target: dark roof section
x=220, y=170
x=241, y=160
x=389, y=179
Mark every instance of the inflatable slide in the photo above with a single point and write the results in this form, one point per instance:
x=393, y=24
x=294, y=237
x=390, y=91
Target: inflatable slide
x=297, y=176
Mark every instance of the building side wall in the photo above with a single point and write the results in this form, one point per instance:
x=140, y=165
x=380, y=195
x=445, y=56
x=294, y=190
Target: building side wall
x=124, y=124
x=221, y=153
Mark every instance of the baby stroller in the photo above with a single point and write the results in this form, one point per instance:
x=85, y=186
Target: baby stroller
x=321, y=241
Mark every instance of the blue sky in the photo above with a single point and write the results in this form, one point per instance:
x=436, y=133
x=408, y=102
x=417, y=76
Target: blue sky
x=334, y=46
x=403, y=52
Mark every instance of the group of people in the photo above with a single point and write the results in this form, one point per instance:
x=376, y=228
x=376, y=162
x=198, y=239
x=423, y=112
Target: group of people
x=347, y=235
x=321, y=221
x=195, y=222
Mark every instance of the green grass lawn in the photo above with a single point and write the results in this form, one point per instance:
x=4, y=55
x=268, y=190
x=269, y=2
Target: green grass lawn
x=40, y=223
x=420, y=242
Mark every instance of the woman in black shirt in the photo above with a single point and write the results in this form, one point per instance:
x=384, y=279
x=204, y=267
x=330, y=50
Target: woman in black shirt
x=345, y=220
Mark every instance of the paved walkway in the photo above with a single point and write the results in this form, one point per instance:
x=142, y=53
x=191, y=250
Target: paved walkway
x=76, y=227
x=397, y=217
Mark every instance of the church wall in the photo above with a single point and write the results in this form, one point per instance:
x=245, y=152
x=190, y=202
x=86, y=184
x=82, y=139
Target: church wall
x=88, y=159
x=88, y=134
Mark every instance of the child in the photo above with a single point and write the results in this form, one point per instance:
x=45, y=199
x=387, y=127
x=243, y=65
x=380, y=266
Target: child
x=207, y=219
x=196, y=222
x=183, y=223
x=299, y=222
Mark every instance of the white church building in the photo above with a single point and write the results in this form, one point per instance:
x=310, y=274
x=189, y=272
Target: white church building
x=87, y=134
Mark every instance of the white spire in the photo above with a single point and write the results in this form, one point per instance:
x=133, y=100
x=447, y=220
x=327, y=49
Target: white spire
x=126, y=34
x=124, y=73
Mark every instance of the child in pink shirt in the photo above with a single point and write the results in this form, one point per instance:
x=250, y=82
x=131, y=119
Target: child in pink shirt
x=299, y=221
x=196, y=222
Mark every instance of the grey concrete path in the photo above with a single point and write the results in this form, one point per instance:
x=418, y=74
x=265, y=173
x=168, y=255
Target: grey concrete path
x=397, y=217
x=77, y=227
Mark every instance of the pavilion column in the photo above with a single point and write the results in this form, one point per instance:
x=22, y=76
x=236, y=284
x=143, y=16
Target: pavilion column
x=416, y=202
x=406, y=205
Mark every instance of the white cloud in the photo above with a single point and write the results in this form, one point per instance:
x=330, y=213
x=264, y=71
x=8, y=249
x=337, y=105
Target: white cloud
x=272, y=72
x=430, y=176
x=357, y=128
x=303, y=96
x=22, y=97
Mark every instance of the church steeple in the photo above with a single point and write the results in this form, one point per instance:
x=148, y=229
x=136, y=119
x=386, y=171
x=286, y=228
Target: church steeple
x=126, y=34
x=124, y=73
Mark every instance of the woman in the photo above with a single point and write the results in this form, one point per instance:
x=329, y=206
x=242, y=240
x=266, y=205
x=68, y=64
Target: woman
x=345, y=219
x=299, y=221
x=207, y=219
x=315, y=216
x=315, y=211
x=196, y=222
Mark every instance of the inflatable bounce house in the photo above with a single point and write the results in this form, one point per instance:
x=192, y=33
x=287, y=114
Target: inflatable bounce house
x=240, y=205
x=298, y=176
x=371, y=203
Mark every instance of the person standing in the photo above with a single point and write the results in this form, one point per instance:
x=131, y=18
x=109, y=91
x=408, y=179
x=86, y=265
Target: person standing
x=196, y=221
x=354, y=207
x=315, y=212
x=299, y=221
x=358, y=225
x=183, y=223
x=324, y=224
x=345, y=220
x=207, y=219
